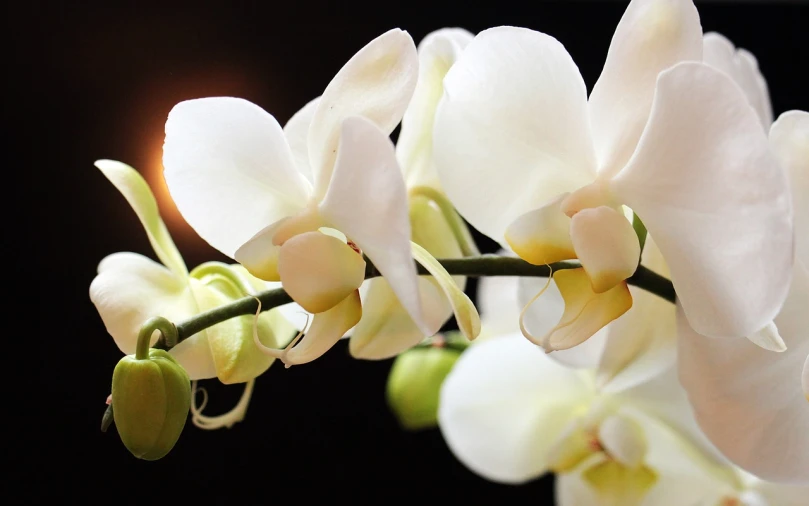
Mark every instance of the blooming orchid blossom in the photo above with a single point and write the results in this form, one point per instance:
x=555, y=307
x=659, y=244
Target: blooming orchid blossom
x=531, y=162
x=301, y=205
x=386, y=328
x=511, y=413
x=131, y=288
x=754, y=404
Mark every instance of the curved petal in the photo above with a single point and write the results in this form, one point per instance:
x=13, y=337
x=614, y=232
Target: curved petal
x=327, y=328
x=259, y=255
x=606, y=245
x=228, y=419
x=437, y=52
x=229, y=170
x=742, y=67
x=542, y=236
x=777, y=494
x=130, y=289
x=376, y=83
x=137, y=192
x=318, y=270
x=504, y=405
x=386, y=328
x=789, y=138
x=652, y=36
x=586, y=312
x=297, y=133
x=542, y=316
x=367, y=201
x=749, y=401
x=643, y=342
x=710, y=191
x=515, y=102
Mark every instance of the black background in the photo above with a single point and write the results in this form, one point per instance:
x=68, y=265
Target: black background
x=96, y=80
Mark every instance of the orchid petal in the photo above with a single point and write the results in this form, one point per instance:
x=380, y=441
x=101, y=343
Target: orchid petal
x=499, y=306
x=652, y=36
x=228, y=419
x=318, y=270
x=376, y=83
x=586, y=312
x=643, y=342
x=504, y=405
x=540, y=317
x=542, y=236
x=742, y=67
x=386, y=328
x=768, y=338
x=327, y=328
x=138, y=194
x=606, y=245
x=130, y=289
x=789, y=138
x=296, y=131
x=259, y=255
x=230, y=170
x=704, y=138
x=515, y=102
x=623, y=439
x=778, y=494
x=466, y=315
x=367, y=201
x=750, y=401
x=437, y=52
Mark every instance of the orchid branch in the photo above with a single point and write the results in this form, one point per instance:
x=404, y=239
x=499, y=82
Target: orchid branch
x=483, y=265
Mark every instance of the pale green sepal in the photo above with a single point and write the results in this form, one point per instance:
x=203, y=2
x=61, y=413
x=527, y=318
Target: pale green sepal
x=137, y=192
x=465, y=312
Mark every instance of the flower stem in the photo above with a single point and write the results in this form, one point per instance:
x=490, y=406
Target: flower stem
x=168, y=335
x=483, y=265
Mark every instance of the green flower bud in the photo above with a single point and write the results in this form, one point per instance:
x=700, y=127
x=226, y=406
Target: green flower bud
x=150, y=400
x=414, y=384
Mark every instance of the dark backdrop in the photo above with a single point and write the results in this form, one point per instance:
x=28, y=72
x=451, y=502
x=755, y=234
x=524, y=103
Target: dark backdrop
x=97, y=80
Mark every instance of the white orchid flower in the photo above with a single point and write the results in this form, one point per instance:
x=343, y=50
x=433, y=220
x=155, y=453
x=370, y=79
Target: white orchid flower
x=754, y=404
x=386, y=328
x=299, y=205
x=529, y=161
x=131, y=288
x=511, y=414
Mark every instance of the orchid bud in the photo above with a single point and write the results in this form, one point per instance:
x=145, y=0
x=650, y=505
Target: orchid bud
x=414, y=384
x=150, y=399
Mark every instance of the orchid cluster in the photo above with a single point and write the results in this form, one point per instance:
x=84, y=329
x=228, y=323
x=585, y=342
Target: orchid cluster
x=578, y=363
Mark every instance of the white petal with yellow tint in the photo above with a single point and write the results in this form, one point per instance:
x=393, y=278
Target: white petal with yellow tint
x=259, y=255
x=437, y=52
x=466, y=315
x=376, y=83
x=139, y=196
x=130, y=289
x=230, y=170
x=709, y=190
x=499, y=305
x=386, y=328
x=789, y=138
x=228, y=419
x=511, y=132
x=296, y=131
x=367, y=201
x=606, y=245
x=318, y=270
x=652, y=36
x=586, y=312
x=542, y=236
x=327, y=328
x=643, y=342
x=542, y=315
x=623, y=439
x=750, y=401
x=505, y=404
x=768, y=338
x=742, y=67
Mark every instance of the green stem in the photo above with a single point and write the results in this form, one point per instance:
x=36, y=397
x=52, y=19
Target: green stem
x=484, y=265
x=456, y=223
x=168, y=334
